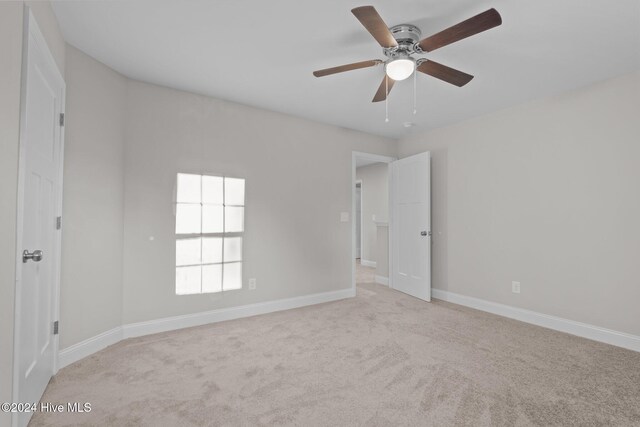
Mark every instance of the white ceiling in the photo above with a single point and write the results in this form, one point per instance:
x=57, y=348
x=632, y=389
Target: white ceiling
x=262, y=53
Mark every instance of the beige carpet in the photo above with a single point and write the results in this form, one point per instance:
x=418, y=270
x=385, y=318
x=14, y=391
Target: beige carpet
x=365, y=274
x=380, y=359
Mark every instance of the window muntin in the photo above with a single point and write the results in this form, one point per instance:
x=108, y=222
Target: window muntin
x=209, y=233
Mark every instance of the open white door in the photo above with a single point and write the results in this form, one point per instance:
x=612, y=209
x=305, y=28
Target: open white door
x=38, y=228
x=411, y=226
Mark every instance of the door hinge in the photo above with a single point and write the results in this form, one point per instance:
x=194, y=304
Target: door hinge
x=61, y=119
x=58, y=223
x=55, y=328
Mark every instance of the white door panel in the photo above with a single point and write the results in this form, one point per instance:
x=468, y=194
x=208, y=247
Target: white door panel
x=411, y=226
x=39, y=205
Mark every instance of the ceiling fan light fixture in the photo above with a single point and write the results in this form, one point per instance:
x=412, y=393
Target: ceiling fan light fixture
x=400, y=69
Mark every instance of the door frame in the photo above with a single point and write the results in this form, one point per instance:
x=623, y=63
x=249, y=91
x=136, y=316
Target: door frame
x=379, y=159
x=33, y=36
x=359, y=181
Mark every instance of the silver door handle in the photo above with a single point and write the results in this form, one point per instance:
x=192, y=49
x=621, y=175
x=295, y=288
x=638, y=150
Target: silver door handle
x=425, y=233
x=35, y=256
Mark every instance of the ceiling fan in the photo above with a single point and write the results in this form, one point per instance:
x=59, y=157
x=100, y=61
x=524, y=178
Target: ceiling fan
x=400, y=42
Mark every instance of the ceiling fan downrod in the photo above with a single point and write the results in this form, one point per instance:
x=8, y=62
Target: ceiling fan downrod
x=386, y=99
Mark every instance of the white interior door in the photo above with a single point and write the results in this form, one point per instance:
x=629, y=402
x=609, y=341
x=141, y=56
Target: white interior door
x=411, y=226
x=39, y=240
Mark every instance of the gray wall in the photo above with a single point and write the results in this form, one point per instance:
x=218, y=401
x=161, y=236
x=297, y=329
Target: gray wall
x=375, y=201
x=548, y=194
x=93, y=203
x=298, y=180
x=11, y=28
x=382, y=251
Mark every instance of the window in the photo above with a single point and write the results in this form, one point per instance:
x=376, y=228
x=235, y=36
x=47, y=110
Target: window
x=209, y=230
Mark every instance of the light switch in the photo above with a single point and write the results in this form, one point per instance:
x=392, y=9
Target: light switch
x=344, y=216
x=373, y=217
x=515, y=287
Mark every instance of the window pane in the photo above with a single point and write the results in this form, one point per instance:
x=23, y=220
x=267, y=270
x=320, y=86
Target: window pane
x=211, y=278
x=233, y=219
x=187, y=219
x=232, y=276
x=188, y=280
x=188, y=188
x=234, y=191
x=187, y=252
x=232, y=249
x=211, y=250
x=212, y=219
x=212, y=189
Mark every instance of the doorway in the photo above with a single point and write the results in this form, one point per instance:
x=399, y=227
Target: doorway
x=38, y=218
x=370, y=218
x=401, y=230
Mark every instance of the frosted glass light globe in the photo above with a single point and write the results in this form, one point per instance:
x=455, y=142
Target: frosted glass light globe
x=400, y=69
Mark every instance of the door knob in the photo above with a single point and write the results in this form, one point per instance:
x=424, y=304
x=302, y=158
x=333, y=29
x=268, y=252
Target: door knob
x=425, y=233
x=35, y=256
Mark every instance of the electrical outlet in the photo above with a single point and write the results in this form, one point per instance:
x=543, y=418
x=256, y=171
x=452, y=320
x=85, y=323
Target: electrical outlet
x=515, y=287
x=252, y=283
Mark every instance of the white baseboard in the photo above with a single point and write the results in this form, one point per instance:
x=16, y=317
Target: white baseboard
x=368, y=263
x=596, y=333
x=382, y=280
x=89, y=346
x=203, y=318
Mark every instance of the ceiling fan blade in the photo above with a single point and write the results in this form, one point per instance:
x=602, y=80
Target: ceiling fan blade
x=479, y=23
x=444, y=73
x=347, y=67
x=384, y=89
x=369, y=17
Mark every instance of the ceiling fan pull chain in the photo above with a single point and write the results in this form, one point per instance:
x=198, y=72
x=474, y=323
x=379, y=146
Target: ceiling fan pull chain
x=415, y=105
x=386, y=99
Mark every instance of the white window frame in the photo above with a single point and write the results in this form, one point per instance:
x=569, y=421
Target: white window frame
x=222, y=235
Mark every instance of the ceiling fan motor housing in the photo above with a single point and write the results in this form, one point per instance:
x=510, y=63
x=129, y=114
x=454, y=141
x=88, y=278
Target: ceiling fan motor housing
x=407, y=36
